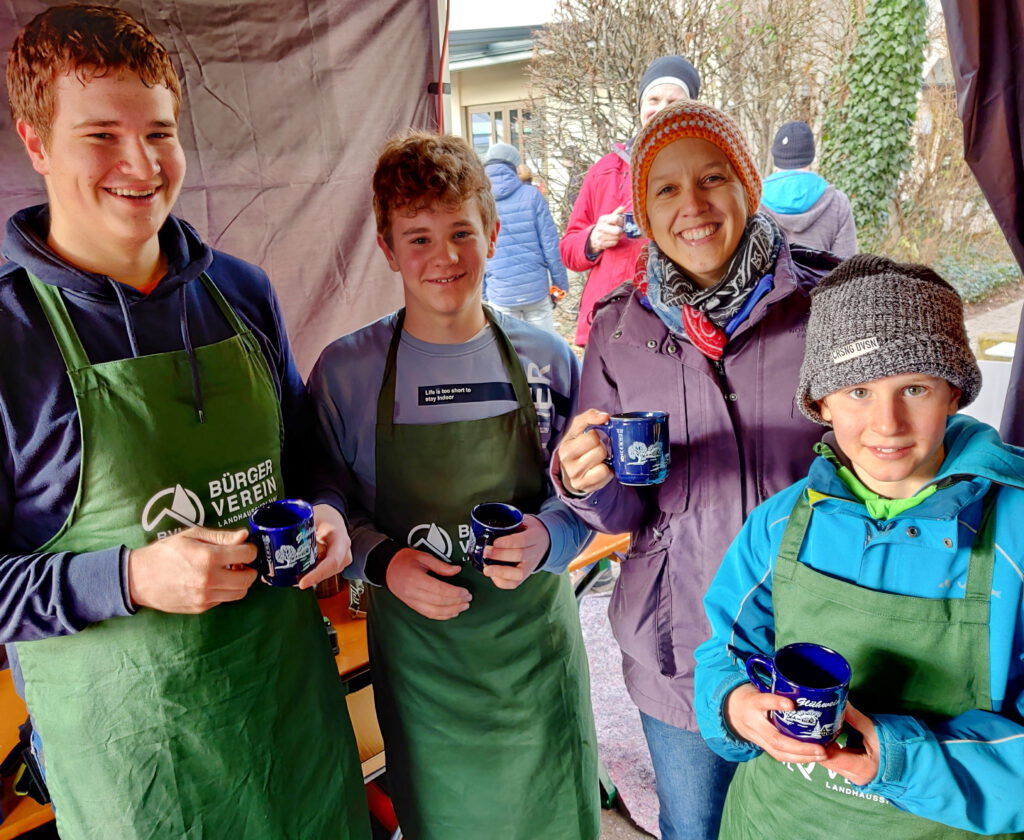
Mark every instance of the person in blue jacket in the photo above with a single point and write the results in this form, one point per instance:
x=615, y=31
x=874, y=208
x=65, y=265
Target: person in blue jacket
x=902, y=550
x=525, y=267
x=808, y=208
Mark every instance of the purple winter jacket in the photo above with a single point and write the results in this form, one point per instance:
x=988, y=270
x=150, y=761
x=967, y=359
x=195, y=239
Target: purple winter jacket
x=736, y=439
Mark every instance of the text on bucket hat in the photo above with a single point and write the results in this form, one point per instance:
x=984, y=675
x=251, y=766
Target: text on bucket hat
x=872, y=318
x=669, y=69
x=679, y=121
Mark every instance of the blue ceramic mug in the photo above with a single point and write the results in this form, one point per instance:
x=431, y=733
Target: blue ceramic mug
x=285, y=541
x=630, y=227
x=487, y=522
x=638, y=446
x=814, y=677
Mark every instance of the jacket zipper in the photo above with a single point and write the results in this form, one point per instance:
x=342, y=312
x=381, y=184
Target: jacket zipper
x=730, y=407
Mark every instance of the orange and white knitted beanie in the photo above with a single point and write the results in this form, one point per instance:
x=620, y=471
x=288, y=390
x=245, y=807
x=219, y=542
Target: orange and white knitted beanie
x=683, y=119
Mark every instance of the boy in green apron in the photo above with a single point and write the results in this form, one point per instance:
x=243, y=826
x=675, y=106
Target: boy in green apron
x=902, y=550
x=146, y=388
x=480, y=679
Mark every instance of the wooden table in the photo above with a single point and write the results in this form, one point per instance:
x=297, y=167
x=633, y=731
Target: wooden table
x=353, y=656
x=603, y=549
x=26, y=814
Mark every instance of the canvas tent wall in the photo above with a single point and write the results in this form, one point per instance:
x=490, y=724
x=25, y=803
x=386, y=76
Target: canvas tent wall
x=986, y=44
x=285, y=106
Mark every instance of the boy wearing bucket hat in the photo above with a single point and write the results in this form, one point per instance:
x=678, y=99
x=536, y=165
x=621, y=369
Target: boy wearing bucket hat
x=902, y=550
x=599, y=239
x=712, y=331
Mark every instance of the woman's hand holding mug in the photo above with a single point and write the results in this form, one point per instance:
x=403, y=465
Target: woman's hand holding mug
x=582, y=454
x=608, y=231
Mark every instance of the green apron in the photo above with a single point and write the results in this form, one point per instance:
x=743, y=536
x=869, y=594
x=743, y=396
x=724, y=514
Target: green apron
x=926, y=657
x=486, y=717
x=228, y=724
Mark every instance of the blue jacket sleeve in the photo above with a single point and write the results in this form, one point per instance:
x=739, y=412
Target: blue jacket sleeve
x=58, y=593
x=296, y=412
x=547, y=233
x=965, y=772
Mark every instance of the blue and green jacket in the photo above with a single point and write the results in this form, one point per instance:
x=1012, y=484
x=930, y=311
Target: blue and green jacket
x=966, y=771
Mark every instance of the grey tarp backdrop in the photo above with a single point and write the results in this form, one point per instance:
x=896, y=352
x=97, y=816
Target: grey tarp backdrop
x=285, y=106
x=986, y=44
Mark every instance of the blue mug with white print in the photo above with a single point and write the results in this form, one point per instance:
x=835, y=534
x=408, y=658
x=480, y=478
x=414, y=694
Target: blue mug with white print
x=630, y=227
x=285, y=541
x=815, y=678
x=488, y=522
x=638, y=446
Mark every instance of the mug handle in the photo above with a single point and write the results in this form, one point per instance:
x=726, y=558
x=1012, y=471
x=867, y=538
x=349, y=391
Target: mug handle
x=602, y=430
x=756, y=661
x=488, y=561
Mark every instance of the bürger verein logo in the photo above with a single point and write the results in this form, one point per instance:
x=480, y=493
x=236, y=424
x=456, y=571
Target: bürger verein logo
x=177, y=503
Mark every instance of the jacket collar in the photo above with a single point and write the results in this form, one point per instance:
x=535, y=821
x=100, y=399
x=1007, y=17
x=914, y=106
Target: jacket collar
x=975, y=459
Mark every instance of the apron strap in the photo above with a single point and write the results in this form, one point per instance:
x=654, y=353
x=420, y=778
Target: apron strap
x=71, y=348
x=980, y=566
x=56, y=312
x=222, y=304
x=386, y=397
x=793, y=539
x=982, y=563
x=509, y=357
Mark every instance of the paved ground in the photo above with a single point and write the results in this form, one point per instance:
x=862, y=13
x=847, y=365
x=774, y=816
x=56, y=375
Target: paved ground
x=1001, y=321
x=615, y=826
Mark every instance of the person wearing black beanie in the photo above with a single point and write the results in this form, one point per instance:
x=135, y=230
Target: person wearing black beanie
x=602, y=236
x=808, y=208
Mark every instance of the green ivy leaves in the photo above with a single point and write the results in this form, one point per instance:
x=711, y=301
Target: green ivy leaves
x=867, y=127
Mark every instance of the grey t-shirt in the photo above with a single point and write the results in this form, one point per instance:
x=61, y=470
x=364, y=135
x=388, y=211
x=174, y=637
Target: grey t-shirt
x=436, y=383
x=443, y=383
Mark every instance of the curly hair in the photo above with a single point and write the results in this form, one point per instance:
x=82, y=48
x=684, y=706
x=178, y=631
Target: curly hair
x=418, y=170
x=89, y=41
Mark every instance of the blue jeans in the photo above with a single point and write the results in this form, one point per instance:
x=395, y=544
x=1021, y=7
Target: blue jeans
x=539, y=313
x=691, y=781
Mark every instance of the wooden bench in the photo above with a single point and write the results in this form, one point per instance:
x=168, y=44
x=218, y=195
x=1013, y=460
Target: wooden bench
x=21, y=814
x=603, y=550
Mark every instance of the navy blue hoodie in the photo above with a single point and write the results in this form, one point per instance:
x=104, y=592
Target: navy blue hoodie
x=53, y=594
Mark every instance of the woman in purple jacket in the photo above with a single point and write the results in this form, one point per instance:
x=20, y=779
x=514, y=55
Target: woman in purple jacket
x=712, y=331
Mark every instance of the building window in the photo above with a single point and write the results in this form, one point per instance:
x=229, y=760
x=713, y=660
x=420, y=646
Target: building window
x=498, y=122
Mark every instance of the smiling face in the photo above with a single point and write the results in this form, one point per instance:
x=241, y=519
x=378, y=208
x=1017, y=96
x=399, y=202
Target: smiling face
x=113, y=168
x=892, y=429
x=658, y=97
x=697, y=208
x=441, y=252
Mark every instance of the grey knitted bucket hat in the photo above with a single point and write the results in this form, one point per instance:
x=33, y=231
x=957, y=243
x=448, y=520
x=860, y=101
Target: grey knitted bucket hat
x=872, y=318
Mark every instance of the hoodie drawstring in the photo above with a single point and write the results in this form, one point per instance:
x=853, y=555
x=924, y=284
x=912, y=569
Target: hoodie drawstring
x=197, y=391
x=129, y=325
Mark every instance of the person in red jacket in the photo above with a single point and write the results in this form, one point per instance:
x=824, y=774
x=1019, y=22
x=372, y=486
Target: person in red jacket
x=602, y=236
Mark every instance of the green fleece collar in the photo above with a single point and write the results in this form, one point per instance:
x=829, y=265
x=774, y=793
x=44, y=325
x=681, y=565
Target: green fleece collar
x=879, y=507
